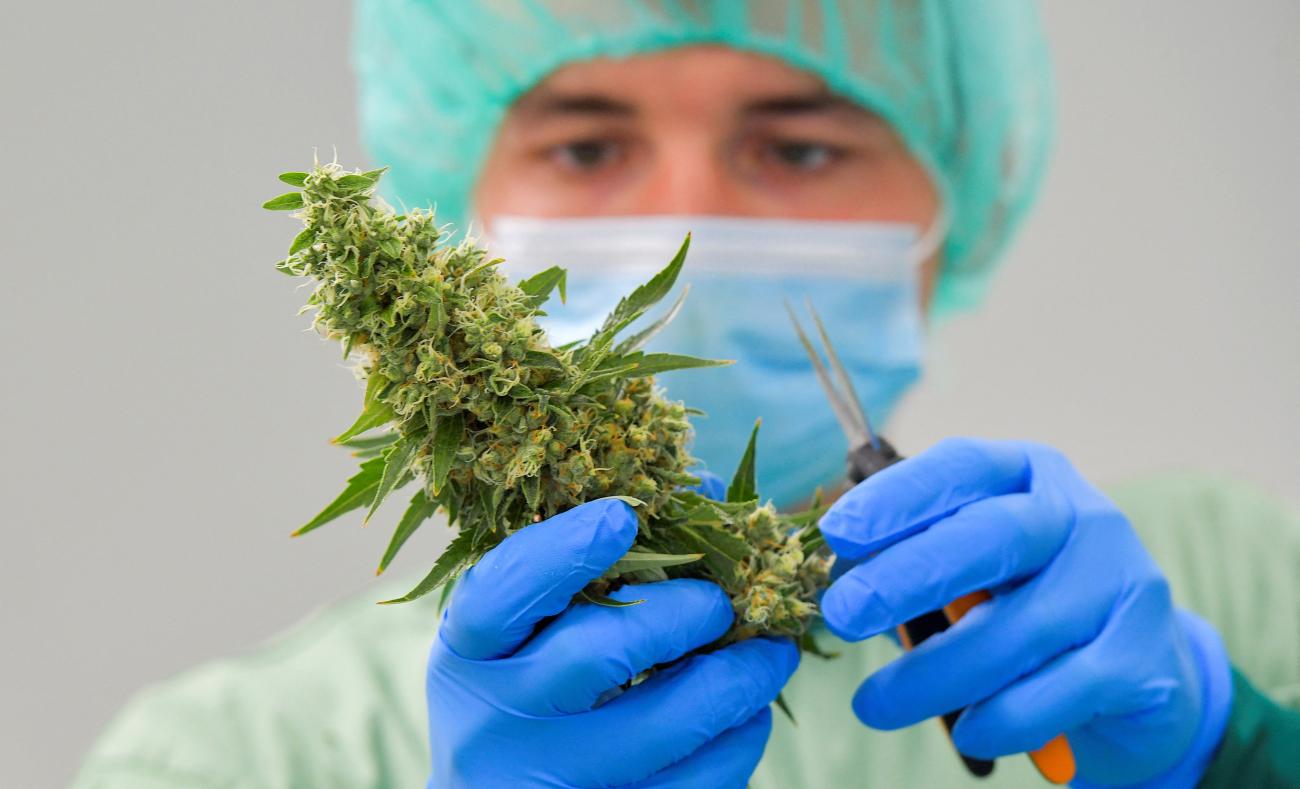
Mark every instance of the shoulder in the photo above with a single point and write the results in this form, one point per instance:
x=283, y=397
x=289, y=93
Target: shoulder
x=336, y=700
x=1200, y=521
x=1231, y=552
x=1204, y=498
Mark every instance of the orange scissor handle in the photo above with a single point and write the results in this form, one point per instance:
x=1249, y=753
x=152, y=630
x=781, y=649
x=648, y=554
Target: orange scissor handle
x=1055, y=760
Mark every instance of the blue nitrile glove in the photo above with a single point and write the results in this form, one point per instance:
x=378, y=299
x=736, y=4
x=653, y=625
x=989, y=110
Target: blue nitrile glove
x=520, y=699
x=711, y=485
x=1080, y=636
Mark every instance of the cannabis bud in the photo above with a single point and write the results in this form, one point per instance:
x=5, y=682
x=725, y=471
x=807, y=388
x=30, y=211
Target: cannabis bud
x=466, y=398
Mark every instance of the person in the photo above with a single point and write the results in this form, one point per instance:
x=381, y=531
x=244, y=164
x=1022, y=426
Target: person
x=876, y=157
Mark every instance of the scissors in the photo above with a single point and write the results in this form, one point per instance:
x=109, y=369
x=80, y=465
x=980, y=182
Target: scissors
x=869, y=454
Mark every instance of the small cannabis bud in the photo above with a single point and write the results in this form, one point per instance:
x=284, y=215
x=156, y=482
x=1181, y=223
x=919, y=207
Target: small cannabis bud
x=466, y=398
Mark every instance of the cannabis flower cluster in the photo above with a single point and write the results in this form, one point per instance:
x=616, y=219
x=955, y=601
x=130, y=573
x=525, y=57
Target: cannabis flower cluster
x=466, y=398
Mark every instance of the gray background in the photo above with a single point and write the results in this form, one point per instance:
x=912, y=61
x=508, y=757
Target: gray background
x=164, y=413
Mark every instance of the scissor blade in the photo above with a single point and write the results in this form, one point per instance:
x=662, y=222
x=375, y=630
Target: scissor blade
x=851, y=393
x=843, y=414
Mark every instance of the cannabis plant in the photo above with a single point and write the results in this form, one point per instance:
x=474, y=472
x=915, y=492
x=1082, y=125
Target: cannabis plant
x=468, y=402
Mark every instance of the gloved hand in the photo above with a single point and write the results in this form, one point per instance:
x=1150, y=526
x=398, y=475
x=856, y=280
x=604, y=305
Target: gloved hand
x=1080, y=636
x=518, y=699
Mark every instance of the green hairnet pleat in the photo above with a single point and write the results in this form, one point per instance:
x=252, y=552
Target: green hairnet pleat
x=966, y=84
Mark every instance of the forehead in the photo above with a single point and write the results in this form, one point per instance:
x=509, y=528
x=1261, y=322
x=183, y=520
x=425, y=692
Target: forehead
x=699, y=79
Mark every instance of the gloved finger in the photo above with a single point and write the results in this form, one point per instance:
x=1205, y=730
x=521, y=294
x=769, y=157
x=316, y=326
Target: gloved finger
x=907, y=497
x=993, y=646
x=982, y=545
x=726, y=762
x=591, y=649
x=666, y=718
x=1121, y=672
x=1065, y=694
x=533, y=574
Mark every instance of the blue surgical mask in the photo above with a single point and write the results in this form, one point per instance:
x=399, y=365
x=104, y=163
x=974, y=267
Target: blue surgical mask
x=861, y=276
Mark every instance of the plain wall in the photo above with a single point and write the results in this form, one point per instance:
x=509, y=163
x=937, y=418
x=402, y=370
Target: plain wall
x=164, y=413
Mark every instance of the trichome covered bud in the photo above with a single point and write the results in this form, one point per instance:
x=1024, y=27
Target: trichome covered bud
x=467, y=400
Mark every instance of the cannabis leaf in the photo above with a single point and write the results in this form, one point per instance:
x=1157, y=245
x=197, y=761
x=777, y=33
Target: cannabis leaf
x=645, y=296
x=638, y=340
x=459, y=555
x=607, y=602
x=285, y=202
x=359, y=492
x=540, y=285
x=656, y=363
x=644, y=560
x=447, y=435
x=396, y=460
x=417, y=512
x=743, y=486
x=375, y=412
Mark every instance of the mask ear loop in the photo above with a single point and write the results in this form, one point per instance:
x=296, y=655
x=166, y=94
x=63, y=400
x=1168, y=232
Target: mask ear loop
x=932, y=239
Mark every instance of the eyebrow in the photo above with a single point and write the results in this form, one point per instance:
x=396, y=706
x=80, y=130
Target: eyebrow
x=820, y=103
x=559, y=104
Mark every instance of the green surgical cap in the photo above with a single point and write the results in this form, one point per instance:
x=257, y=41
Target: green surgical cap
x=965, y=83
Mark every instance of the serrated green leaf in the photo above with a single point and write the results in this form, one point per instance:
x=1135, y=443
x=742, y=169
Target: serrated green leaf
x=743, y=486
x=540, y=285
x=642, y=298
x=354, y=182
x=294, y=179
x=590, y=384
x=448, y=433
x=375, y=175
x=607, y=602
x=285, y=202
x=635, y=560
x=543, y=360
x=719, y=541
x=396, y=461
x=370, y=443
x=638, y=340
x=360, y=490
x=722, y=550
x=302, y=241
x=445, y=595
x=417, y=512
x=458, y=555
x=613, y=360
x=374, y=413
x=655, y=363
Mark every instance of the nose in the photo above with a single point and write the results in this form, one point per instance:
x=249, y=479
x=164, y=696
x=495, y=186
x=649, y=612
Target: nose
x=691, y=178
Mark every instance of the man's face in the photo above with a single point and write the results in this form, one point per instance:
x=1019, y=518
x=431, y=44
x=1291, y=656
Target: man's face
x=699, y=130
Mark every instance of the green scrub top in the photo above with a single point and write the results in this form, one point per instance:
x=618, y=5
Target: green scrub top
x=339, y=700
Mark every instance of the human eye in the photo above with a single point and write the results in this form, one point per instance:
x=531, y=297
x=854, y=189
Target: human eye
x=806, y=156
x=586, y=155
